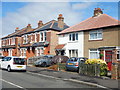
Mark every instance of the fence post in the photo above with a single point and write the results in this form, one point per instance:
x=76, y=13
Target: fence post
x=95, y=70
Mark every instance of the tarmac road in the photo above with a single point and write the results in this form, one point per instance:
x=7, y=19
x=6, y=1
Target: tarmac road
x=25, y=80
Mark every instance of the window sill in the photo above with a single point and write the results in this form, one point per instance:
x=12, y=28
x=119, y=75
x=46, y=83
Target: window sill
x=95, y=40
x=72, y=41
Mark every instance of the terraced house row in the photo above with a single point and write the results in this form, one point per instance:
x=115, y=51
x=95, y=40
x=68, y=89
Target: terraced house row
x=95, y=37
x=29, y=42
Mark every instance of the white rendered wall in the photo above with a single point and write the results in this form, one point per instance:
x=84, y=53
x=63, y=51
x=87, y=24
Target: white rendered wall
x=64, y=39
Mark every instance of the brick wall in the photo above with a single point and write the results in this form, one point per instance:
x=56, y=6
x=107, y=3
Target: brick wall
x=110, y=38
x=54, y=42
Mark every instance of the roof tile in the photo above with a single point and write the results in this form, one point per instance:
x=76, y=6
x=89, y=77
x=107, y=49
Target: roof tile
x=100, y=21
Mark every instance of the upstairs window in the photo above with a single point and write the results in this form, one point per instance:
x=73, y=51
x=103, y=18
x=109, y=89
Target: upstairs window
x=73, y=36
x=95, y=35
x=118, y=55
x=13, y=41
x=25, y=39
x=43, y=36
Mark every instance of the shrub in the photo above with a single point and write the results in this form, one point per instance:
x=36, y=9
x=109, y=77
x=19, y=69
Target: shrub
x=102, y=63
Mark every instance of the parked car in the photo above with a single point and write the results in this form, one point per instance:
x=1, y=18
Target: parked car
x=59, y=58
x=45, y=61
x=73, y=63
x=13, y=63
x=1, y=58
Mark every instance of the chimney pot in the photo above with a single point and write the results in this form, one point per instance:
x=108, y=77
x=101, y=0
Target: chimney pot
x=17, y=28
x=60, y=15
x=29, y=24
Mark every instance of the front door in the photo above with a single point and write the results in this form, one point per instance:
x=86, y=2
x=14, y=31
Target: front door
x=108, y=58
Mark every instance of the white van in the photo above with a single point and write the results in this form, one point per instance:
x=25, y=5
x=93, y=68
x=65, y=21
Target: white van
x=13, y=63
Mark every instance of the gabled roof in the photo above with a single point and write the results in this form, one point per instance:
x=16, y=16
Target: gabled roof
x=18, y=32
x=53, y=25
x=100, y=21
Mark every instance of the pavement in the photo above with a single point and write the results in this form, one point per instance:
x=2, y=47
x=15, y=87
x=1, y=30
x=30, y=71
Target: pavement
x=99, y=82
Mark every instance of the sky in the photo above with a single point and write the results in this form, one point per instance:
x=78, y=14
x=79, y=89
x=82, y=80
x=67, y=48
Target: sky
x=20, y=14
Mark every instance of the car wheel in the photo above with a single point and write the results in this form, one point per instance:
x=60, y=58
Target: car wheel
x=44, y=64
x=67, y=69
x=24, y=70
x=8, y=68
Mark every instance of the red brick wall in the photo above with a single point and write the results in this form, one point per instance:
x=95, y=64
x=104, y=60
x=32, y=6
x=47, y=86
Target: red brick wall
x=5, y=53
x=30, y=53
x=38, y=37
x=47, y=49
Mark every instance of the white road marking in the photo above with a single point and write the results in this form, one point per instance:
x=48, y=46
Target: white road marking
x=12, y=83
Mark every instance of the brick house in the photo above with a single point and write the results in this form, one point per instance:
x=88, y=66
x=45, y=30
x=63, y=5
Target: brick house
x=100, y=38
x=29, y=42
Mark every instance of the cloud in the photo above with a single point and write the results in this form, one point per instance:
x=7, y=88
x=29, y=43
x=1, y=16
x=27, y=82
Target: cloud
x=35, y=11
x=82, y=5
x=60, y=0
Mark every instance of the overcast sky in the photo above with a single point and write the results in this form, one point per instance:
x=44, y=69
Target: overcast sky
x=19, y=14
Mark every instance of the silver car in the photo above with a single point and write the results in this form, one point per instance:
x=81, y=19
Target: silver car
x=44, y=62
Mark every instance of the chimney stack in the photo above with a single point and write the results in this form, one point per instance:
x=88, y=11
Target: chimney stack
x=61, y=21
x=40, y=24
x=17, y=28
x=28, y=27
x=97, y=12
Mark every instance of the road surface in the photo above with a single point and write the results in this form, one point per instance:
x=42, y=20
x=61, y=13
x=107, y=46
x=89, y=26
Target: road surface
x=25, y=80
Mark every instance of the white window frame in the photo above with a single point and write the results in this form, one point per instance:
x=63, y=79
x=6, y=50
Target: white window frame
x=96, y=32
x=119, y=54
x=31, y=37
x=39, y=51
x=43, y=32
x=94, y=50
x=35, y=36
x=10, y=52
x=13, y=41
x=71, y=36
x=25, y=39
x=71, y=53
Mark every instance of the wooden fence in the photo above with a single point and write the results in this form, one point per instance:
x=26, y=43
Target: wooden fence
x=89, y=69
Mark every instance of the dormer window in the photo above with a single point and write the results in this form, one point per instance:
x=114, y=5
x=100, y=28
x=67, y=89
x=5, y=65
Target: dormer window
x=95, y=35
